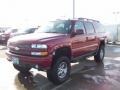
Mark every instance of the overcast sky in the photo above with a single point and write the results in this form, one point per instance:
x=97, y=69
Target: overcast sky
x=18, y=12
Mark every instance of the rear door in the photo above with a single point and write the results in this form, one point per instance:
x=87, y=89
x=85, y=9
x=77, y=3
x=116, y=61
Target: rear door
x=91, y=40
x=78, y=40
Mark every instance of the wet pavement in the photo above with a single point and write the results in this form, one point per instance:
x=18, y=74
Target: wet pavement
x=85, y=75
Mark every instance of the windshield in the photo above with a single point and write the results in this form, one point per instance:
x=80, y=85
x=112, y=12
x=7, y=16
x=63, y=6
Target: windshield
x=60, y=26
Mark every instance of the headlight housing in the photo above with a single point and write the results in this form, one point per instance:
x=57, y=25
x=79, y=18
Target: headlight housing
x=43, y=50
x=39, y=46
x=39, y=53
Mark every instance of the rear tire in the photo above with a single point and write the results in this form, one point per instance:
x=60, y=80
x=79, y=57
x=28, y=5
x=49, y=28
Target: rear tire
x=22, y=69
x=100, y=54
x=60, y=71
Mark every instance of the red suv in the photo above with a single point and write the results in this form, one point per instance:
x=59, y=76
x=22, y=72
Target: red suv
x=55, y=45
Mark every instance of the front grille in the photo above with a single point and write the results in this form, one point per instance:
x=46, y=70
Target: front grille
x=20, y=52
x=23, y=46
x=19, y=49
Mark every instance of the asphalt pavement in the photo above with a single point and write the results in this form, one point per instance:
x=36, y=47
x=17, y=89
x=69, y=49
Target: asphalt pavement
x=85, y=75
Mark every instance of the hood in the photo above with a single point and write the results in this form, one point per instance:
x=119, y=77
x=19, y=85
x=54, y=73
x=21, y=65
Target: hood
x=35, y=37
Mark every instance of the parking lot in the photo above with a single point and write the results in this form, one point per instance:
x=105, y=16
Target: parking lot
x=86, y=75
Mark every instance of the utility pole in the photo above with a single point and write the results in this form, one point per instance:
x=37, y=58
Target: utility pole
x=73, y=8
x=117, y=22
x=116, y=16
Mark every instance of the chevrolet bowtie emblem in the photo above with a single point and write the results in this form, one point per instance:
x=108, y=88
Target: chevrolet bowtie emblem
x=16, y=48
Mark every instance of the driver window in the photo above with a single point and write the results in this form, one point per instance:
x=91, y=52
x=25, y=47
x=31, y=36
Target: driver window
x=79, y=26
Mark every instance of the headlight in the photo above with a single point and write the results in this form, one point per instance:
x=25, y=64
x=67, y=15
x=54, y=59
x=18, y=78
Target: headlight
x=39, y=53
x=40, y=46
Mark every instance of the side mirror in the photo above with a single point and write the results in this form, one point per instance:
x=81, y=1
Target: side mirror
x=80, y=31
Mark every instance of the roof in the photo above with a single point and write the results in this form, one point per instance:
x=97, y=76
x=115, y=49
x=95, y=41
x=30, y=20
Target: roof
x=81, y=19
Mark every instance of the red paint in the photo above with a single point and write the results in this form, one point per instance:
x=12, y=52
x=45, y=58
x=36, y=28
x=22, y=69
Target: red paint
x=79, y=45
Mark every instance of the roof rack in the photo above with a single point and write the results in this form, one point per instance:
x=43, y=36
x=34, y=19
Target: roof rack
x=86, y=19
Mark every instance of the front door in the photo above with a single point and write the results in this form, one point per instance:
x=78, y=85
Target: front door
x=78, y=41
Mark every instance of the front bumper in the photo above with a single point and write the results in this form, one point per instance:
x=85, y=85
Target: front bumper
x=42, y=62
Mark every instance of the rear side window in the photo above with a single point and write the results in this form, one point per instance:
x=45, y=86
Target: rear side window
x=89, y=28
x=98, y=27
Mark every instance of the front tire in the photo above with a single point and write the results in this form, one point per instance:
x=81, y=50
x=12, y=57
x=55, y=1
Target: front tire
x=22, y=69
x=60, y=71
x=100, y=54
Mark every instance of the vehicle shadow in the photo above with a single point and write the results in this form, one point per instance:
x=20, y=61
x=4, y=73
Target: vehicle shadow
x=87, y=77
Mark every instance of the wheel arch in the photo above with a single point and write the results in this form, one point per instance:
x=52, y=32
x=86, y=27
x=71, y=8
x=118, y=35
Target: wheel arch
x=61, y=51
x=102, y=43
